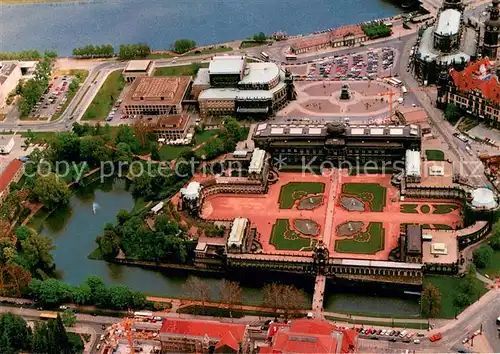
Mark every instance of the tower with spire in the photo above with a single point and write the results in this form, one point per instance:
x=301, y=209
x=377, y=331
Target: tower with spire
x=492, y=32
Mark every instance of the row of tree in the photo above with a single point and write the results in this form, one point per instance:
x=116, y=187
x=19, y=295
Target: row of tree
x=94, y=51
x=93, y=291
x=32, y=90
x=133, y=51
x=23, y=55
x=46, y=337
x=376, y=30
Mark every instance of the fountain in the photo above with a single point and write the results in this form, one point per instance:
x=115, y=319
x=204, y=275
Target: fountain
x=344, y=92
x=95, y=206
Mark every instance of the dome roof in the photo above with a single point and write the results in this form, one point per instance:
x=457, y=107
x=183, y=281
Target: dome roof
x=483, y=198
x=335, y=128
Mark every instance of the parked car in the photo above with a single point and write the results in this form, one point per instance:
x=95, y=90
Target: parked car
x=435, y=337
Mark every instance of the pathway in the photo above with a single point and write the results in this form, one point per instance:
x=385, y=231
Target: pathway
x=330, y=209
x=319, y=295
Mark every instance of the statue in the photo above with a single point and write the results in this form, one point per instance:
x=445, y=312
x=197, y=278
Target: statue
x=344, y=92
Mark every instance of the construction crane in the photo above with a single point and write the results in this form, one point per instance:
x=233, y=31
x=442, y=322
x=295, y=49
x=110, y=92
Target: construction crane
x=127, y=326
x=391, y=93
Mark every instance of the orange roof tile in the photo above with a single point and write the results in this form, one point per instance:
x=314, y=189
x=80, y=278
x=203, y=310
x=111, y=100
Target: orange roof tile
x=471, y=78
x=214, y=330
x=9, y=172
x=300, y=44
x=228, y=340
x=341, y=32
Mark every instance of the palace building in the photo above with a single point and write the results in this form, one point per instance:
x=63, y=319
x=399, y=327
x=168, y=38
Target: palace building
x=231, y=85
x=156, y=95
x=474, y=90
x=307, y=141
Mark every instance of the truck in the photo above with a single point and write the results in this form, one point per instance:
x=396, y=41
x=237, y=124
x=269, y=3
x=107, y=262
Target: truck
x=6, y=146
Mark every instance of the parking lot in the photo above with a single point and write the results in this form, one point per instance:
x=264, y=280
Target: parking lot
x=52, y=101
x=405, y=336
x=361, y=66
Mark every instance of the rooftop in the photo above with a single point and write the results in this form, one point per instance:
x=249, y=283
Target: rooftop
x=237, y=232
x=163, y=122
x=232, y=94
x=412, y=163
x=258, y=73
x=349, y=30
x=484, y=198
x=427, y=52
x=414, y=239
x=9, y=172
x=449, y=239
x=138, y=65
x=6, y=69
x=202, y=77
x=157, y=90
x=226, y=64
x=448, y=22
x=191, y=191
x=257, y=162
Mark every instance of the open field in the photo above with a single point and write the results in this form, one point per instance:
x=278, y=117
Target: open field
x=434, y=155
x=294, y=191
x=181, y=70
x=105, y=99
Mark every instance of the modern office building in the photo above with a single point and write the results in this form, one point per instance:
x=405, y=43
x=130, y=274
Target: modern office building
x=308, y=141
x=156, y=95
x=10, y=74
x=474, y=90
x=138, y=68
x=233, y=86
x=445, y=44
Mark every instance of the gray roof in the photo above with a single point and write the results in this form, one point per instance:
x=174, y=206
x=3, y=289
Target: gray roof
x=427, y=52
x=260, y=73
x=448, y=22
x=202, y=77
x=232, y=93
x=226, y=64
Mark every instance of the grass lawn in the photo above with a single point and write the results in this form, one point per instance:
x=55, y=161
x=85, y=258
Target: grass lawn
x=449, y=287
x=425, y=209
x=139, y=203
x=159, y=56
x=283, y=238
x=251, y=44
x=444, y=208
x=493, y=269
x=369, y=242
x=373, y=193
x=442, y=227
x=293, y=191
x=181, y=70
x=434, y=155
x=106, y=97
x=409, y=208
x=209, y=50
x=205, y=136
x=171, y=152
x=40, y=137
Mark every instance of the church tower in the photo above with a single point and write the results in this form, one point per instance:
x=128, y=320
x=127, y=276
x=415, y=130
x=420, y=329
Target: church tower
x=491, y=32
x=453, y=4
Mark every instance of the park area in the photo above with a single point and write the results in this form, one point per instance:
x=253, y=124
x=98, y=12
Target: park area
x=294, y=191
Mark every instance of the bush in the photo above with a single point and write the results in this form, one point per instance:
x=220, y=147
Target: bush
x=482, y=256
x=376, y=30
x=183, y=45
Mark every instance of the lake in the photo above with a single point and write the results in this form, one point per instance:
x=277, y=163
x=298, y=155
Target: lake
x=64, y=26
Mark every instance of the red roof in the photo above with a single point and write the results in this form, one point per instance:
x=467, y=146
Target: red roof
x=8, y=173
x=311, y=336
x=341, y=32
x=477, y=76
x=304, y=43
x=225, y=333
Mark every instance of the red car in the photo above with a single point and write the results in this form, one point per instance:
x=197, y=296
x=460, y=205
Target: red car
x=435, y=337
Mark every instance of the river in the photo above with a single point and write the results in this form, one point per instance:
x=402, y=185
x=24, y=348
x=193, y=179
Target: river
x=75, y=227
x=64, y=26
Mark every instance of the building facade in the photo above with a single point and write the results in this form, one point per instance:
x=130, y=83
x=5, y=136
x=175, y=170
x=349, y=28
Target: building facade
x=150, y=96
x=10, y=74
x=167, y=127
x=346, y=36
x=491, y=32
x=231, y=86
x=306, y=142
x=138, y=68
x=11, y=173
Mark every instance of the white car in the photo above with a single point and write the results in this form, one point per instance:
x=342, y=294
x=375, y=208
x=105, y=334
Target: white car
x=466, y=339
x=416, y=341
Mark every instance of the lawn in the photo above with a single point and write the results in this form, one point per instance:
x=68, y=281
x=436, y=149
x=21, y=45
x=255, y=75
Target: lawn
x=369, y=242
x=180, y=70
x=210, y=50
x=493, y=269
x=171, y=152
x=409, y=208
x=434, y=155
x=251, y=44
x=285, y=239
x=293, y=191
x=442, y=227
x=106, y=97
x=425, y=209
x=159, y=55
x=444, y=208
x=373, y=193
x=449, y=287
x=205, y=136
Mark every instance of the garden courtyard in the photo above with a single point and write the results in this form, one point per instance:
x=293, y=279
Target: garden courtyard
x=361, y=215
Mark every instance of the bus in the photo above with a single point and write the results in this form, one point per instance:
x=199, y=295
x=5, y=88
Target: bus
x=388, y=24
x=264, y=56
x=143, y=314
x=48, y=316
x=397, y=81
x=291, y=57
x=404, y=90
x=392, y=82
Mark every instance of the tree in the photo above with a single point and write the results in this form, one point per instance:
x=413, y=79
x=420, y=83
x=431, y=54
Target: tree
x=37, y=252
x=138, y=300
x=120, y=296
x=15, y=333
x=482, y=256
x=68, y=317
x=14, y=280
x=285, y=297
x=82, y=294
x=461, y=300
x=98, y=290
x=230, y=294
x=183, y=45
x=51, y=190
x=123, y=153
x=431, y=300
x=23, y=232
x=197, y=289
x=259, y=37
x=155, y=154
x=451, y=113
x=125, y=134
x=495, y=239
x=122, y=216
x=50, y=292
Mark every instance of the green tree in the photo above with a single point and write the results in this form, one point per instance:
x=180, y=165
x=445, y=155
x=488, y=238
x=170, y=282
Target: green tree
x=495, y=239
x=125, y=134
x=482, y=256
x=68, y=317
x=155, y=154
x=82, y=294
x=37, y=252
x=51, y=190
x=50, y=292
x=183, y=45
x=461, y=300
x=122, y=216
x=123, y=153
x=15, y=333
x=451, y=113
x=138, y=300
x=99, y=291
x=431, y=300
x=24, y=232
x=40, y=343
x=259, y=37
x=120, y=296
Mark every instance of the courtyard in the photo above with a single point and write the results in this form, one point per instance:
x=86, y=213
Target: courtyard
x=361, y=215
